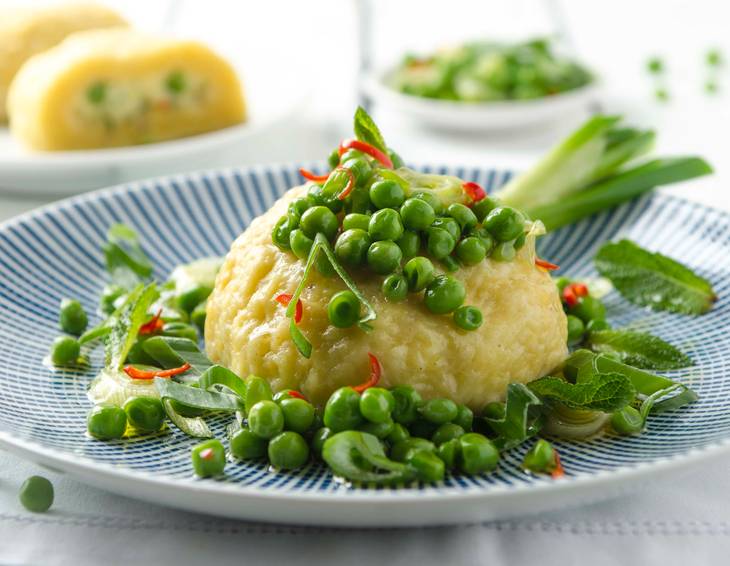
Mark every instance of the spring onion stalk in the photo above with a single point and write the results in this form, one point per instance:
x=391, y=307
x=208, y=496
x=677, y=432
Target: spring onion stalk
x=172, y=351
x=585, y=173
x=565, y=422
x=219, y=376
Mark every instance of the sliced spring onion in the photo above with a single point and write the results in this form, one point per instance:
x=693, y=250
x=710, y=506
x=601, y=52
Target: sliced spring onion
x=192, y=426
x=221, y=376
x=564, y=422
x=515, y=426
x=172, y=351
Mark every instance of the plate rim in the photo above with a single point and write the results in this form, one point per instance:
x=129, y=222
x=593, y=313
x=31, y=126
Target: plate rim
x=79, y=465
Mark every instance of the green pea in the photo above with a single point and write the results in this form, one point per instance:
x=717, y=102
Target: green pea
x=106, y=422
x=468, y=317
x=409, y=243
x=397, y=434
x=439, y=411
x=319, y=219
x=449, y=452
x=448, y=224
x=300, y=244
x=419, y=272
x=504, y=252
x=377, y=404
x=246, y=445
x=505, y=223
x=384, y=257
x=485, y=238
x=471, y=250
x=298, y=414
x=343, y=309
x=439, y=243
x=407, y=402
x=405, y=448
x=417, y=214
x=589, y=308
x=385, y=224
x=324, y=267
x=65, y=351
x=435, y=203
x=333, y=160
x=464, y=418
x=96, y=93
x=298, y=206
x=378, y=430
x=395, y=159
x=180, y=330
x=359, y=202
x=36, y=494
x=360, y=168
x=597, y=325
x=494, y=410
x=146, y=414
x=482, y=208
x=352, y=246
x=282, y=230
x=288, y=451
x=540, y=458
x=342, y=411
x=257, y=389
x=477, y=454
x=395, y=288
x=109, y=296
x=428, y=466
x=387, y=194
x=318, y=440
x=450, y=264
x=209, y=458
x=446, y=432
x=576, y=329
x=463, y=215
x=175, y=82
x=72, y=317
x=627, y=421
x=317, y=197
x=356, y=220
x=444, y=294
x=266, y=419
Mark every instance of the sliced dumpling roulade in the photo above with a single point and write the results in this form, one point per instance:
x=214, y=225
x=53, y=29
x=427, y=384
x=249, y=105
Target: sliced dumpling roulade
x=117, y=87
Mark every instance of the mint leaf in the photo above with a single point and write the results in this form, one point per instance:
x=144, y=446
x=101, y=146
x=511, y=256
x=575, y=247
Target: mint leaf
x=605, y=392
x=126, y=324
x=126, y=262
x=515, y=426
x=639, y=349
x=654, y=280
x=366, y=130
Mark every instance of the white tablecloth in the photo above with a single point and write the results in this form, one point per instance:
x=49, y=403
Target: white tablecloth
x=685, y=521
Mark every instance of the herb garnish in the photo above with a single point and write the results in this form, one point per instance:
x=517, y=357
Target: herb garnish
x=597, y=391
x=654, y=280
x=639, y=349
x=366, y=130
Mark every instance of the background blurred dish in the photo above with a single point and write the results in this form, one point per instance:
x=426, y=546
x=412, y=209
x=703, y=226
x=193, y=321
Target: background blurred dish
x=68, y=172
x=479, y=116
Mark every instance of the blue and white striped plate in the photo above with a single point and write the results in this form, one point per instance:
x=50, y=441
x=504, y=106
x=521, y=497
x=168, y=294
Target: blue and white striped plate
x=55, y=252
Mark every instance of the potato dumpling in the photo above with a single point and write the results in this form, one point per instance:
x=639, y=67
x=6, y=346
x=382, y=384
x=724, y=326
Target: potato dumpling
x=117, y=87
x=26, y=31
x=523, y=336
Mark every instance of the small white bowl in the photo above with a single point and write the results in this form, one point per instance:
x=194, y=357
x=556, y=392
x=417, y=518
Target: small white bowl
x=479, y=116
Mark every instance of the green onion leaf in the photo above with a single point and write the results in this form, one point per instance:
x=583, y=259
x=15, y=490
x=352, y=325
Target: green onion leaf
x=639, y=349
x=192, y=426
x=221, y=376
x=197, y=398
x=515, y=426
x=654, y=280
x=366, y=130
x=300, y=341
x=172, y=351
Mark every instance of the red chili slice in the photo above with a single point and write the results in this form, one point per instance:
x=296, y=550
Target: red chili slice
x=206, y=454
x=569, y=296
x=285, y=299
x=350, y=184
x=580, y=289
x=153, y=325
x=474, y=191
x=375, y=373
x=372, y=151
x=558, y=472
x=297, y=395
x=309, y=176
x=136, y=373
x=546, y=264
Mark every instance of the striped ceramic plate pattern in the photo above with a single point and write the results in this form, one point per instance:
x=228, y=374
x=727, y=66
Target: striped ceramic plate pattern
x=55, y=252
